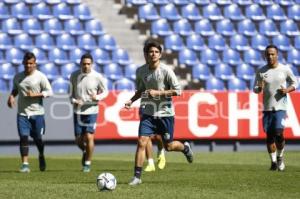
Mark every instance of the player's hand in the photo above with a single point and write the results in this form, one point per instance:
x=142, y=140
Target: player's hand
x=11, y=102
x=78, y=102
x=30, y=93
x=128, y=104
x=152, y=92
x=283, y=90
x=93, y=97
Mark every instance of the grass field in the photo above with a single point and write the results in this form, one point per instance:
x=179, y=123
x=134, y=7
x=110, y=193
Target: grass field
x=212, y=175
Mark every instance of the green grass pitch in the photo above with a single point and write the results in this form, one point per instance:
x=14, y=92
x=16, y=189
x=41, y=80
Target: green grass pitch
x=212, y=175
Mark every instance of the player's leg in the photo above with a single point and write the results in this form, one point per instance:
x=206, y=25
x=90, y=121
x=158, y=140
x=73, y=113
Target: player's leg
x=279, y=138
x=161, y=159
x=269, y=124
x=24, y=131
x=79, y=138
x=149, y=155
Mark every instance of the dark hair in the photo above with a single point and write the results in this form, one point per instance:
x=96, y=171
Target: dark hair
x=86, y=56
x=27, y=56
x=271, y=46
x=151, y=43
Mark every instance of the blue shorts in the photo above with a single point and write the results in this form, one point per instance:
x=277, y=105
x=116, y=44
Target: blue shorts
x=163, y=126
x=31, y=125
x=273, y=120
x=84, y=123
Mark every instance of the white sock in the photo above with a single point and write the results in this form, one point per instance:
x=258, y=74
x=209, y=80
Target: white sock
x=87, y=162
x=150, y=161
x=25, y=163
x=280, y=152
x=161, y=152
x=273, y=156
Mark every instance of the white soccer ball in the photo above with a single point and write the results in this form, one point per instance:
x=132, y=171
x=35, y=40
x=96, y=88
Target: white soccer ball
x=106, y=181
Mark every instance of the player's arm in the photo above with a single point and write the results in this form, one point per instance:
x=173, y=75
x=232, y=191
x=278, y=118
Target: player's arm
x=258, y=84
x=292, y=82
x=135, y=97
x=46, y=90
x=102, y=91
x=11, y=101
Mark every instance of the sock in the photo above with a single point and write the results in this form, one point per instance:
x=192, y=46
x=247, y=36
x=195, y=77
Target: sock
x=40, y=145
x=161, y=152
x=138, y=172
x=25, y=163
x=151, y=161
x=280, y=152
x=88, y=163
x=273, y=156
x=185, y=150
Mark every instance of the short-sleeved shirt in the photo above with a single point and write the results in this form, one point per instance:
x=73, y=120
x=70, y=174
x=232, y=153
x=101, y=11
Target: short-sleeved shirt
x=274, y=79
x=37, y=82
x=83, y=86
x=161, y=78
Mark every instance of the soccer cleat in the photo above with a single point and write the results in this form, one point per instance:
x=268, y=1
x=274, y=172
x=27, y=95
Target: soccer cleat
x=189, y=154
x=280, y=164
x=135, y=181
x=42, y=163
x=83, y=158
x=86, y=168
x=24, y=168
x=273, y=166
x=161, y=161
x=150, y=168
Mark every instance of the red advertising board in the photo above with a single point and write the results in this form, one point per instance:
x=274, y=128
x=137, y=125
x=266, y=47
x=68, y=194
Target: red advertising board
x=199, y=115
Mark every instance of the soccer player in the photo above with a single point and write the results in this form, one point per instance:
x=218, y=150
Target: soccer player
x=155, y=85
x=275, y=80
x=32, y=86
x=87, y=87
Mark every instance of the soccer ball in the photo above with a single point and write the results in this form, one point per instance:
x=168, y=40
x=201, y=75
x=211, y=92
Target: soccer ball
x=106, y=181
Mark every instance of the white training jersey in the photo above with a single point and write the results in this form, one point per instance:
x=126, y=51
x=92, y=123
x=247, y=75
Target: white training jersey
x=37, y=82
x=83, y=86
x=162, y=78
x=274, y=79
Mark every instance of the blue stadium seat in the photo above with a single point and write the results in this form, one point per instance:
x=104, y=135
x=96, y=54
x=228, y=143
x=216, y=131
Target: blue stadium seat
x=289, y=27
x=4, y=10
x=217, y=42
x=285, y=3
x=75, y=54
x=239, y=42
x=113, y=71
x=246, y=27
x=282, y=42
x=62, y=11
x=173, y=43
x=11, y=26
x=268, y=28
x=32, y=2
x=3, y=86
x=6, y=41
x=200, y=2
x=255, y=12
x=169, y=12
x=263, y=2
x=60, y=85
x=293, y=12
x=32, y=26
x=44, y=41
x=130, y=70
x=73, y=2
x=253, y=57
x=195, y=42
x=204, y=28
x=212, y=12
x=160, y=27
x=86, y=41
x=147, y=12
x=214, y=84
x=2, y=58
x=50, y=70
x=65, y=41
x=259, y=42
x=191, y=12
x=101, y=56
x=221, y=2
x=23, y=41
x=231, y=57
x=209, y=56
x=58, y=56
x=7, y=71
x=223, y=71
x=200, y=71
x=94, y=27
x=158, y=2
x=41, y=56
x=293, y=57
x=14, y=55
x=242, y=2
x=296, y=40
x=107, y=42
x=41, y=11
x=225, y=27
x=233, y=12
x=132, y=3
x=179, y=2
x=120, y=56
x=52, y=2
x=67, y=69
x=295, y=70
x=82, y=12
x=73, y=26
x=236, y=84
x=276, y=13
x=187, y=57
x=183, y=27
x=124, y=84
x=245, y=72
x=53, y=26
x=20, y=11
